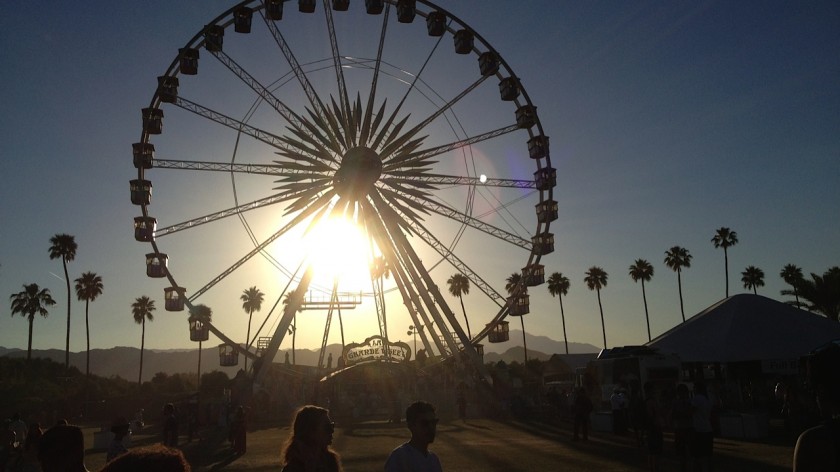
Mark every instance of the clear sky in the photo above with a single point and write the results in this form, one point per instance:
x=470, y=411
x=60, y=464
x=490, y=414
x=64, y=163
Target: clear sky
x=667, y=121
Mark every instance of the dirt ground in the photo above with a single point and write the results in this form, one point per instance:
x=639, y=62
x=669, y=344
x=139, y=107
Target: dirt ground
x=473, y=445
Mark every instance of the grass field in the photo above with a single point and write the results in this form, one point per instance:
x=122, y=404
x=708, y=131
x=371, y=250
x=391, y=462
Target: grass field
x=474, y=445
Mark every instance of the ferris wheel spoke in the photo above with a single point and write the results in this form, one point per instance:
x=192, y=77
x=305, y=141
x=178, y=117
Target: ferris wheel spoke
x=419, y=73
x=420, y=230
x=392, y=145
x=366, y=122
x=400, y=177
x=298, y=219
x=414, y=158
x=468, y=220
x=346, y=121
x=314, y=101
x=266, y=95
x=209, y=218
x=234, y=124
x=281, y=169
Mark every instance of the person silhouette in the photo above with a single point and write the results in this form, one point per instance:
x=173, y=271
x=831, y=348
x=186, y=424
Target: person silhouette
x=414, y=455
x=308, y=446
x=62, y=449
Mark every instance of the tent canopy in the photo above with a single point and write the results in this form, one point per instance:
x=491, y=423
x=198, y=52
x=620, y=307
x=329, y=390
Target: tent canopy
x=747, y=327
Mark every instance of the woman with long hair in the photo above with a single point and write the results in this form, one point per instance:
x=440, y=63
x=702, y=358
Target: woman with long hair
x=308, y=447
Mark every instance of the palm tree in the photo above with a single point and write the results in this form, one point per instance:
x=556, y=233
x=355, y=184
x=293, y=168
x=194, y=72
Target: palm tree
x=676, y=258
x=32, y=300
x=510, y=286
x=202, y=313
x=252, y=299
x=459, y=285
x=725, y=238
x=642, y=270
x=792, y=275
x=752, y=277
x=142, y=309
x=64, y=246
x=558, y=286
x=596, y=279
x=290, y=295
x=822, y=294
x=88, y=287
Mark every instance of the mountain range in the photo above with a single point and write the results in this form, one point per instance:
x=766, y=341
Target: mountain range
x=124, y=361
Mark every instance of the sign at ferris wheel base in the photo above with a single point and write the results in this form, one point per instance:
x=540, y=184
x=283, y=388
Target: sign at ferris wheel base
x=375, y=348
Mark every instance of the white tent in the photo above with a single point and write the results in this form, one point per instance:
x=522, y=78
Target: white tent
x=747, y=327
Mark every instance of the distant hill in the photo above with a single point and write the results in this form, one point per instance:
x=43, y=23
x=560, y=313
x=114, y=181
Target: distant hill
x=125, y=361
x=542, y=344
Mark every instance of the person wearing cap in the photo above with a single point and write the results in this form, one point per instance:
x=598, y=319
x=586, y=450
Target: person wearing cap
x=120, y=428
x=818, y=448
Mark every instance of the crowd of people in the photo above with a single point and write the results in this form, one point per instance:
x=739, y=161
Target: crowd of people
x=30, y=447
x=61, y=448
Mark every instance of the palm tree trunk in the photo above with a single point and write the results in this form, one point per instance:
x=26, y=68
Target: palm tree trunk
x=248, y=339
x=469, y=334
x=198, y=382
x=87, y=336
x=679, y=286
x=647, y=317
x=67, y=340
x=755, y=290
x=294, y=334
x=142, y=347
x=726, y=269
x=796, y=294
x=563, y=319
x=29, y=346
x=87, y=357
x=524, y=344
x=603, y=328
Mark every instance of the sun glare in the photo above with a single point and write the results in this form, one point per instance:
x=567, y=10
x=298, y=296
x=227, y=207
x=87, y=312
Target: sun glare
x=337, y=249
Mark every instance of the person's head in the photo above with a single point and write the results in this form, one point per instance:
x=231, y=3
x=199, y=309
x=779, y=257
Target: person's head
x=62, y=449
x=822, y=374
x=168, y=409
x=422, y=422
x=156, y=457
x=312, y=426
x=120, y=427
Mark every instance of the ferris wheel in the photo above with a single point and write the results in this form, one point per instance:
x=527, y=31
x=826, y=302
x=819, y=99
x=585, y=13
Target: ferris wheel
x=392, y=116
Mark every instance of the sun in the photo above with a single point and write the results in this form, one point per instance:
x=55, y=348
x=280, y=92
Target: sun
x=338, y=250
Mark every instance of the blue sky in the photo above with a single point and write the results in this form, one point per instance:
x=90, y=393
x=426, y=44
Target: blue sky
x=667, y=121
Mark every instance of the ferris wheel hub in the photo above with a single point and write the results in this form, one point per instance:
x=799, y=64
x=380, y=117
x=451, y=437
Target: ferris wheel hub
x=360, y=168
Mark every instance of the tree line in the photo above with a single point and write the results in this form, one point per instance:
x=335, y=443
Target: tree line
x=819, y=294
